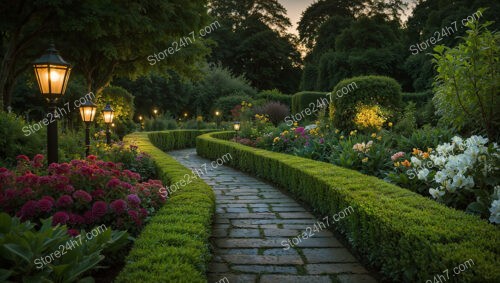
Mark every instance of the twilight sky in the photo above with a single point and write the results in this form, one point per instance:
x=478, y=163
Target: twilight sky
x=295, y=9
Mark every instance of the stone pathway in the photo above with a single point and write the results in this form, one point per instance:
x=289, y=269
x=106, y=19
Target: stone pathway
x=253, y=223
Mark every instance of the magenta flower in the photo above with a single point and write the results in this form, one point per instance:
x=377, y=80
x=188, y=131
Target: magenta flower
x=113, y=183
x=133, y=199
x=76, y=219
x=118, y=206
x=82, y=196
x=60, y=217
x=299, y=130
x=64, y=201
x=99, y=209
x=28, y=209
x=44, y=205
x=98, y=194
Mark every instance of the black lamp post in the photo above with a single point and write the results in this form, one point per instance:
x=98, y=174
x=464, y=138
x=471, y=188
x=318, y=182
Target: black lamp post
x=108, y=114
x=87, y=111
x=237, y=126
x=52, y=74
x=217, y=118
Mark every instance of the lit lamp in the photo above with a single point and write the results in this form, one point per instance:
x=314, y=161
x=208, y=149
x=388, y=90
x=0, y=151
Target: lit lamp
x=217, y=118
x=140, y=121
x=87, y=112
x=108, y=114
x=236, y=127
x=155, y=112
x=52, y=74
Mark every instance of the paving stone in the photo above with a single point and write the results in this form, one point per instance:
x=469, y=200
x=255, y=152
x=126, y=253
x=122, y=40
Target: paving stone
x=248, y=215
x=272, y=278
x=237, y=251
x=263, y=259
x=288, y=209
x=297, y=215
x=237, y=210
x=328, y=255
x=265, y=269
x=355, y=278
x=319, y=243
x=217, y=267
x=335, y=268
x=219, y=233
x=280, y=233
x=244, y=233
x=231, y=278
x=280, y=252
x=248, y=243
x=261, y=209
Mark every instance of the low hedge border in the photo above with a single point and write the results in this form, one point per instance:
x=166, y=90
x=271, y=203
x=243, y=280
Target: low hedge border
x=303, y=99
x=174, y=245
x=408, y=237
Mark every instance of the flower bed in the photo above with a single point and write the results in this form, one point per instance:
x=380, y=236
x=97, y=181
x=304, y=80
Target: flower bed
x=174, y=246
x=408, y=237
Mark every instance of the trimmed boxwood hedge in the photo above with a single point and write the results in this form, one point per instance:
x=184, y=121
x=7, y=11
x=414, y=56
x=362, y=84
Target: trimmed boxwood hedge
x=301, y=100
x=408, y=237
x=174, y=245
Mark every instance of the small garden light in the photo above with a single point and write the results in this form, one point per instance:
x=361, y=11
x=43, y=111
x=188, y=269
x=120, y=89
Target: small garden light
x=237, y=126
x=87, y=112
x=217, y=118
x=108, y=114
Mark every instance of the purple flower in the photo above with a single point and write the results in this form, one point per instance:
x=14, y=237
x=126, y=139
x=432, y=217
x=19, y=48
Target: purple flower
x=299, y=130
x=133, y=199
x=29, y=209
x=321, y=140
x=82, y=196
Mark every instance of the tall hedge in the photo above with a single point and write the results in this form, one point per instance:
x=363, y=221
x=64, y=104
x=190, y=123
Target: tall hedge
x=369, y=90
x=420, y=98
x=174, y=245
x=175, y=139
x=301, y=100
x=408, y=237
x=275, y=95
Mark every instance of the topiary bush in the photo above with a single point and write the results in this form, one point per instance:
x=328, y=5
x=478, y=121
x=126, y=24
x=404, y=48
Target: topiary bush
x=301, y=100
x=370, y=90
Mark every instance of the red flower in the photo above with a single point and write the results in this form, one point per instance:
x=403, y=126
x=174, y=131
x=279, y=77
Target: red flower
x=64, y=201
x=118, y=206
x=44, y=205
x=82, y=196
x=23, y=157
x=91, y=158
x=99, y=209
x=73, y=232
x=37, y=161
x=49, y=198
x=98, y=194
x=76, y=219
x=60, y=217
x=113, y=183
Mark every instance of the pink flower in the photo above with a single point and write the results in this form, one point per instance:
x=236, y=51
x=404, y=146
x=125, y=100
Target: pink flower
x=133, y=199
x=118, y=206
x=38, y=161
x=26, y=193
x=10, y=193
x=73, y=232
x=82, y=196
x=91, y=158
x=44, y=205
x=64, y=201
x=397, y=155
x=22, y=158
x=60, y=217
x=135, y=217
x=49, y=198
x=98, y=194
x=299, y=130
x=99, y=209
x=113, y=183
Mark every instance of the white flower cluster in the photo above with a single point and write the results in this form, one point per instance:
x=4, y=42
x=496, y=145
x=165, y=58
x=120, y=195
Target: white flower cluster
x=457, y=162
x=495, y=207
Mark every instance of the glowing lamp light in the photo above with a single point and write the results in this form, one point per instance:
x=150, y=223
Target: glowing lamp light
x=87, y=111
x=236, y=126
x=108, y=114
x=52, y=74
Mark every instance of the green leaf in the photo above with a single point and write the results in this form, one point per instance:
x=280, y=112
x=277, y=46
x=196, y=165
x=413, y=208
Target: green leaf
x=20, y=251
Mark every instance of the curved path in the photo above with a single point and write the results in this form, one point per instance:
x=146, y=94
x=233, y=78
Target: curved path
x=253, y=224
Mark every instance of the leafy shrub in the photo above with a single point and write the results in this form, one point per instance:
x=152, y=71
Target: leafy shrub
x=275, y=95
x=408, y=122
x=466, y=86
x=419, y=98
x=427, y=137
x=302, y=100
x=160, y=124
x=130, y=158
x=15, y=139
x=81, y=193
x=226, y=103
x=193, y=124
x=370, y=90
x=23, y=245
x=275, y=111
x=124, y=127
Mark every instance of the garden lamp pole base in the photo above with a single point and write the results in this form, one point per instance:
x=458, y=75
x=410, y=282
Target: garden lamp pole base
x=108, y=135
x=52, y=142
x=87, y=139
